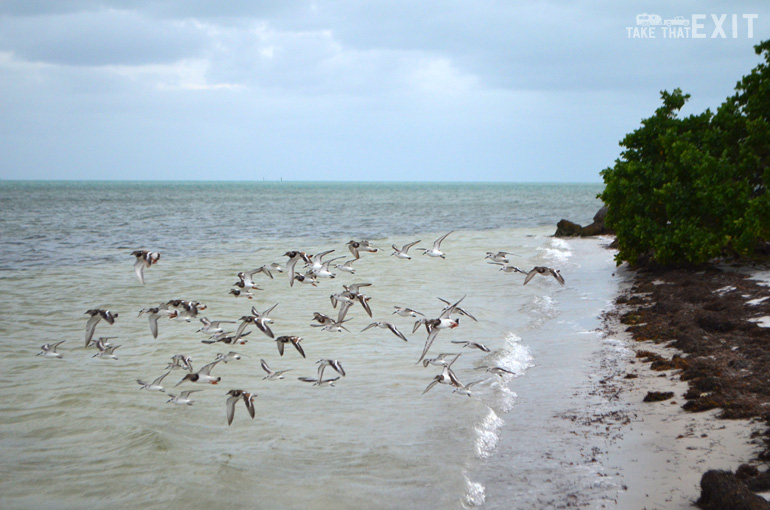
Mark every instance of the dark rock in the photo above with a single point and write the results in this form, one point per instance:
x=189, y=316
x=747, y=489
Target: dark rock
x=721, y=490
x=601, y=214
x=566, y=228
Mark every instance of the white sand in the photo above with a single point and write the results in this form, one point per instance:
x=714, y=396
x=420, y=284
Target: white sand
x=660, y=456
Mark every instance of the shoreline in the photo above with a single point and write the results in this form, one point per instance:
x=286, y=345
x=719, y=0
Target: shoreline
x=685, y=331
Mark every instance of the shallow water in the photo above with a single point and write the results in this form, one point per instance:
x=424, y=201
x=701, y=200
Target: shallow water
x=83, y=425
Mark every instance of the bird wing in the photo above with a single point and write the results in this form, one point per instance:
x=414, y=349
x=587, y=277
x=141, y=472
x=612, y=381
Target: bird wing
x=296, y=344
x=432, y=384
x=231, y=408
x=139, y=269
x=431, y=337
x=394, y=329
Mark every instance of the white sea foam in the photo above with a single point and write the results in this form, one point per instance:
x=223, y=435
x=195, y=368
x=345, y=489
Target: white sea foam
x=488, y=431
x=516, y=356
x=475, y=494
x=555, y=250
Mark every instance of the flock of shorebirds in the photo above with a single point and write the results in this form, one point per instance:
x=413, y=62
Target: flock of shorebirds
x=315, y=268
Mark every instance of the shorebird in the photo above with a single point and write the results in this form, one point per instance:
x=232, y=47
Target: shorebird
x=185, y=309
x=268, y=269
x=180, y=361
x=323, y=271
x=497, y=370
x=316, y=382
x=306, y=278
x=281, y=341
x=241, y=293
x=97, y=314
x=227, y=337
x=272, y=374
x=105, y=351
x=508, y=268
x=49, y=350
x=233, y=398
x=433, y=326
x=445, y=377
x=348, y=297
x=154, y=385
x=155, y=313
x=442, y=359
x=436, y=250
x=354, y=291
x=212, y=327
x=542, y=270
x=227, y=358
x=356, y=247
x=347, y=266
x=294, y=257
x=466, y=389
x=246, y=282
x=316, y=261
x=260, y=320
x=102, y=342
x=457, y=309
x=386, y=325
x=183, y=398
x=323, y=363
x=144, y=258
x=499, y=257
x=472, y=345
x=403, y=252
x=334, y=327
x=322, y=319
x=202, y=376
x=407, y=312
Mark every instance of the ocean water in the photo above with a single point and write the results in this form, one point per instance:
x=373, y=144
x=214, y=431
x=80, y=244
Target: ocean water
x=79, y=432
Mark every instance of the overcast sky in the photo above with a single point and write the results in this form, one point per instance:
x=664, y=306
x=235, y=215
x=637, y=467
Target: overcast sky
x=386, y=90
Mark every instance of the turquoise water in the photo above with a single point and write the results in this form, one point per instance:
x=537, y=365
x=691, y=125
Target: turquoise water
x=83, y=426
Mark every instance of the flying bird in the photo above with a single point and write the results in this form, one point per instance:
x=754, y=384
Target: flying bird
x=545, y=271
x=233, y=397
x=144, y=258
x=96, y=315
x=436, y=250
x=403, y=252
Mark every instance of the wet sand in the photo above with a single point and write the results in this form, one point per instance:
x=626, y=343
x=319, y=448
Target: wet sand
x=700, y=336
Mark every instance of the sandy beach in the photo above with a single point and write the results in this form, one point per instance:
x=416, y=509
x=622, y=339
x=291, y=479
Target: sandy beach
x=658, y=451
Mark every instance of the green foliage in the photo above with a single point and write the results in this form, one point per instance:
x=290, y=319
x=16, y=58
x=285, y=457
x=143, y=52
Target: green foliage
x=687, y=190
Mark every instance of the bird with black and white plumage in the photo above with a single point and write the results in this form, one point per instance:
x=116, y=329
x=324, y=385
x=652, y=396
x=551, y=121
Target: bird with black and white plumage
x=144, y=259
x=233, y=396
x=501, y=257
x=155, y=313
x=294, y=257
x=333, y=363
x=356, y=247
x=472, y=345
x=544, y=271
x=49, y=350
x=155, y=385
x=447, y=376
x=281, y=341
x=96, y=315
x=182, y=399
x=435, y=251
x=386, y=325
x=202, y=376
x=403, y=252
x=272, y=374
